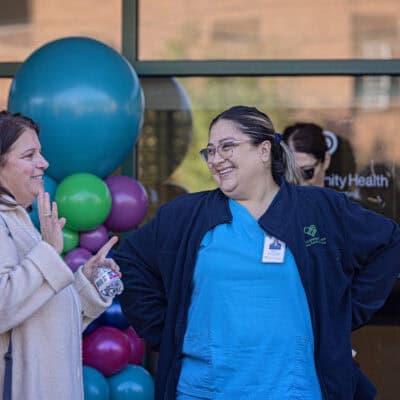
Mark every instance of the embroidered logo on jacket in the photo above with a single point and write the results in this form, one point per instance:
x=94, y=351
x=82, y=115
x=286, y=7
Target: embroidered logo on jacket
x=312, y=237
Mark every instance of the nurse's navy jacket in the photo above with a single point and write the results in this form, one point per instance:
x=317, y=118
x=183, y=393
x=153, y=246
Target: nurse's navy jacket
x=348, y=260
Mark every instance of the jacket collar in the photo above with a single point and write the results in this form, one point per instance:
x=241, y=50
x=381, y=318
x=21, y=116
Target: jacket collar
x=275, y=220
x=280, y=213
x=13, y=206
x=220, y=212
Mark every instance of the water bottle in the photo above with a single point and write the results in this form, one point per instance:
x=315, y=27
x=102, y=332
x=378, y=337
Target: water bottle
x=107, y=282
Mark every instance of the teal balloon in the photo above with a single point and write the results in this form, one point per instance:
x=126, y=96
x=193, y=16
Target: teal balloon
x=133, y=382
x=87, y=100
x=84, y=200
x=50, y=186
x=95, y=385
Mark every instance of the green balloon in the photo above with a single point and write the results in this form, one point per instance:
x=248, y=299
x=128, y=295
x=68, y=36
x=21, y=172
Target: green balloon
x=71, y=239
x=84, y=200
x=95, y=384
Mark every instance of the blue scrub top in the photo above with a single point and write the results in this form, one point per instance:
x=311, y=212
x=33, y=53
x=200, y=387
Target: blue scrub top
x=249, y=333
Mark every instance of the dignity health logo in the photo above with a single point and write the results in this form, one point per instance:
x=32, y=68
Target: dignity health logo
x=311, y=232
x=374, y=181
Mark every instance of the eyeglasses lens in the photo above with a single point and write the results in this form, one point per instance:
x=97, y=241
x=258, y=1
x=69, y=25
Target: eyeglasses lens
x=225, y=150
x=204, y=154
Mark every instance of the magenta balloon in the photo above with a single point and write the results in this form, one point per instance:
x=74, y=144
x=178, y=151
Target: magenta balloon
x=128, y=205
x=94, y=239
x=107, y=349
x=77, y=257
x=137, y=346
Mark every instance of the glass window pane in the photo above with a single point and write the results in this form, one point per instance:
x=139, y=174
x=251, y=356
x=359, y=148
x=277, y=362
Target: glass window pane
x=268, y=29
x=28, y=24
x=361, y=114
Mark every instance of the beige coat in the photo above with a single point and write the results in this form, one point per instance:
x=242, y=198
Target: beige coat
x=43, y=303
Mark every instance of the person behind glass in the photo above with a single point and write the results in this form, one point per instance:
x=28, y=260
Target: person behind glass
x=307, y=141
x=233, y=318
x=43, y=305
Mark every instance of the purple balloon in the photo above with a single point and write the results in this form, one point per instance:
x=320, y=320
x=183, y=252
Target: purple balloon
x=137, y=346
x=77, y=257
x=129, y=203
x=94, y=239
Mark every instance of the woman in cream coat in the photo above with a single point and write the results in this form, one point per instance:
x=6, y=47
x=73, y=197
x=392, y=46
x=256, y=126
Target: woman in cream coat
x=43, y=305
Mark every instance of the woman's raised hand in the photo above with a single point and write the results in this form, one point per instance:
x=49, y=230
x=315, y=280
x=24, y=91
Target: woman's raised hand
x=50, y=225
x=99, y=260
x=51, y=230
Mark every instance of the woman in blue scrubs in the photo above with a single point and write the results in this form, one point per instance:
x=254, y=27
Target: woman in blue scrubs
x=251, y=290
x=240, y=285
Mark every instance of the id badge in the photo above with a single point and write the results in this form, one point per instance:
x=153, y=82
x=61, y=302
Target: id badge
x=273, y=250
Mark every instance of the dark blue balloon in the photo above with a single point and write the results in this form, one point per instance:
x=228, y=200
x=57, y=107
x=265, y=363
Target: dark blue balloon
x=92, y=326
x=87, y=100
x=110, y=254
x=113, y=316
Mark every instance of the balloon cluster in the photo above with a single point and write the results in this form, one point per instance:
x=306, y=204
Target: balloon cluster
x=93, y=207
x=88, y=102
x=112, y=354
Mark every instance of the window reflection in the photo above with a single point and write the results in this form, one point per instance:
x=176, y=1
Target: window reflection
x=365, y=161
x=165, y=138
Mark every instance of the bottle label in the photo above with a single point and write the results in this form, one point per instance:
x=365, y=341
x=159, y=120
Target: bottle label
x=107, y=282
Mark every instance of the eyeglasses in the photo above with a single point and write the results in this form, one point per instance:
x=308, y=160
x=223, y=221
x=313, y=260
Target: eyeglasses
x=224, y=149
x=308, y=172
